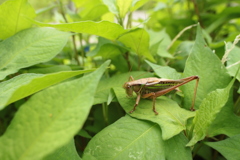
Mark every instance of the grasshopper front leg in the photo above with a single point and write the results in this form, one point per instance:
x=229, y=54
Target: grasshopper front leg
x=137, y=102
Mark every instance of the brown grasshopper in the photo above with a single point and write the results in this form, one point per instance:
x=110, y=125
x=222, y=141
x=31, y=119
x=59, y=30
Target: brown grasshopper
x=154, y=87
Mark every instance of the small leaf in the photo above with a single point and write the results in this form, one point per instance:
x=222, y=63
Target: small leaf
x=159, y=44
x=109, y=50
x=229, y=148
x=137, y=4
x=171, y=118
x=104, y=29
x=138, y=41
x=27, y=84
x=207, y=112
x=129, y=138
x=52, y=116
x=233, y=61
x=111, y=6
x=123, y=7
x=29, y=47
x=13, y=15
x=164, y=71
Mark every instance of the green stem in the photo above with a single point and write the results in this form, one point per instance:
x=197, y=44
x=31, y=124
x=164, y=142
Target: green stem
x=73, y=36
x=105, y=112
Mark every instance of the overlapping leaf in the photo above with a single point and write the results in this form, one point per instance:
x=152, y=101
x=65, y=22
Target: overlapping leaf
x=29, y=47
x=52, y=116
x=129, y=138
x=207, y=112
x=137, y=40
x=171, y=118
x=67, y=152
x=13, y=17
x=205, y=64
x=229, y=148
x=27, y=84
x=104, y=29
x=233, y=61
x=165, y=71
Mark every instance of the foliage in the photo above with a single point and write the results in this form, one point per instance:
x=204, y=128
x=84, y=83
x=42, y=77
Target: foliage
x=63, y=65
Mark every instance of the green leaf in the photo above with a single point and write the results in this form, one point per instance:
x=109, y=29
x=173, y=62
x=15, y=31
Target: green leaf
x=159, y=44
x=104, y=29
x=111, y=6
x=233, y=61
x=164, y=71
x=137, y=4
x=226, y=122
x=27, y=84
x=67, y=152
x=171, y=117
x=123, y=7
x=229, y=148
x=103, y=90
x=129, y=138
x=45, y=69
x=205, y=64
x=13, y=15
x=138, y=41
x=29, y=47
x=207, y=112
x=94, y=12
x=109, y=50
x=52, y=116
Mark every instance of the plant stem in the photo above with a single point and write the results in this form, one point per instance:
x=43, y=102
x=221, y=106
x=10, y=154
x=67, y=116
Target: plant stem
x=197, y=12
x=82, y=49
x=129, y=22
x=105, y=112
x=126, y=56
x=197, y=149
x=73, y=36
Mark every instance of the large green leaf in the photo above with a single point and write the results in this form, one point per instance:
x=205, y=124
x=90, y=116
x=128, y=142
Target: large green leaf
x=50, y=118
x=67, y=152
x=171, y=118
x=13, y=15
x=129, y=138
x=104, y=29
x=29, y=47
x=138, y=41
x=204, y=63
x=207, y=112
x=27, y=84
x=229, y=148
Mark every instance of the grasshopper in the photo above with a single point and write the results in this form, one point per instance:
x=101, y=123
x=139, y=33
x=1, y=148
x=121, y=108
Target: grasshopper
x=154, y=87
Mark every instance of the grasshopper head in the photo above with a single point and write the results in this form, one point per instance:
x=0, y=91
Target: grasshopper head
x=128, y=88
